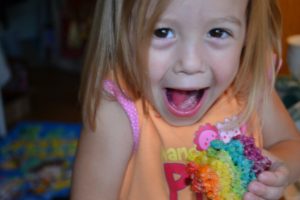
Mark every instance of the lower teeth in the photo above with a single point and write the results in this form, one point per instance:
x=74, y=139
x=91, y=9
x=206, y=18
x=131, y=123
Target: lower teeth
x=189, y=103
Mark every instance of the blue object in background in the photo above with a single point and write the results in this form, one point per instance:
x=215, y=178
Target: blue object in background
x=288, y=89
x=36, y=161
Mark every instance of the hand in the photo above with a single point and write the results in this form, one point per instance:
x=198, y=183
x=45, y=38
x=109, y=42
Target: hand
x=269, y=185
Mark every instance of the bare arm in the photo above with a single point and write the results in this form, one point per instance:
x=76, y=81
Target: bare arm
x=282, y=144
x=103, y=155
x=281, y=136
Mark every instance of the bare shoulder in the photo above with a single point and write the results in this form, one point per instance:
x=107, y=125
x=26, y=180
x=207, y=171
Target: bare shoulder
x=277, y=122
x=113, y=124
x=103, y=154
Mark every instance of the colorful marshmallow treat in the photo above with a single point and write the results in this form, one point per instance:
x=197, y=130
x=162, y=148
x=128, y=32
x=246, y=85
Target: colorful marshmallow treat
x=224, y=162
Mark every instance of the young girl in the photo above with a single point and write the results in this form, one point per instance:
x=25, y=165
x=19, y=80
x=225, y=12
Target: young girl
x=158, y=70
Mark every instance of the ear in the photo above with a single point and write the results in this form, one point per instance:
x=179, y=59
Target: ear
x=276, y=62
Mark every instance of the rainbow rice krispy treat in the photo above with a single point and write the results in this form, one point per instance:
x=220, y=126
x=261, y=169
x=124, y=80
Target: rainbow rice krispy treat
x=223, y=164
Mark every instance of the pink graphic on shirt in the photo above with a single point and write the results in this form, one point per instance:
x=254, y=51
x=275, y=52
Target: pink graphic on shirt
x=173, y=170
x=229, y=129
x=204, y=136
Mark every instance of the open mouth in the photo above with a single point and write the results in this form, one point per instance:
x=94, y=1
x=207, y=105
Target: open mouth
x=184, y=102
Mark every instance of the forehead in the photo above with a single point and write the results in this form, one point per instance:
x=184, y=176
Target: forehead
x=196, y=9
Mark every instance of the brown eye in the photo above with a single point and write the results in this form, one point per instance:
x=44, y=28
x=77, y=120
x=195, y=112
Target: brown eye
x=163, y=33
x=219, y=33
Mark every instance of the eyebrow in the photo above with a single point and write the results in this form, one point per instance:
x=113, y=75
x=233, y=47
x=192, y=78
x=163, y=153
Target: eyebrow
x=230, y=19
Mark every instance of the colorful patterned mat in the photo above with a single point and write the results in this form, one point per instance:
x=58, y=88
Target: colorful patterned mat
x=36, y=160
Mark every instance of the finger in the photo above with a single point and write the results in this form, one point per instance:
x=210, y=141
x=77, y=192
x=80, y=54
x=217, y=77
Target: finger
x=277, y=177
x=265, y=192
x=251, y=196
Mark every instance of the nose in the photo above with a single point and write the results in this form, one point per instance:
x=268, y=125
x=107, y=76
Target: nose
x=189, y=59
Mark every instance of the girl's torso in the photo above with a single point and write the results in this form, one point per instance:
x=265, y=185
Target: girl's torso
x=157, y=167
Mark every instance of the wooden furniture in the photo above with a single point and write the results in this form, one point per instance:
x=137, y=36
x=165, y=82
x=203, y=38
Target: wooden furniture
x=290, y=10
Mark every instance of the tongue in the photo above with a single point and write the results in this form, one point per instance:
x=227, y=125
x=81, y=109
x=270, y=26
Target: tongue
x=184, y=99
x=179, y=96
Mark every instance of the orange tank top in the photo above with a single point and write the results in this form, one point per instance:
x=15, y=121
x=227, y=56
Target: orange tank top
x=156, y=169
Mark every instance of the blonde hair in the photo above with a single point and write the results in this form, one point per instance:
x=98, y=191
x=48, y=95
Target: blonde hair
x=255, y=79
x=120, y=38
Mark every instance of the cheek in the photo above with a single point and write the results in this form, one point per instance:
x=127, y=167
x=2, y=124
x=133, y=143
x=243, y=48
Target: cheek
x=227, y=75
x=155, y=73
x=157, y=64
x=226, y=69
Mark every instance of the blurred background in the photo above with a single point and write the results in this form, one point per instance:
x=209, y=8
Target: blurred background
x=42, y=47
x=43, y=44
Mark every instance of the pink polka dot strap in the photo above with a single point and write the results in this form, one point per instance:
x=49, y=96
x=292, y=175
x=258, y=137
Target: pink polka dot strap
x=128, y=106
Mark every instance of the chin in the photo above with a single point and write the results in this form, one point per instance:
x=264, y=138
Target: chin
x=181, y=121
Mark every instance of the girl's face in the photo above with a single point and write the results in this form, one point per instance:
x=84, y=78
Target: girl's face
x=194, y=56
